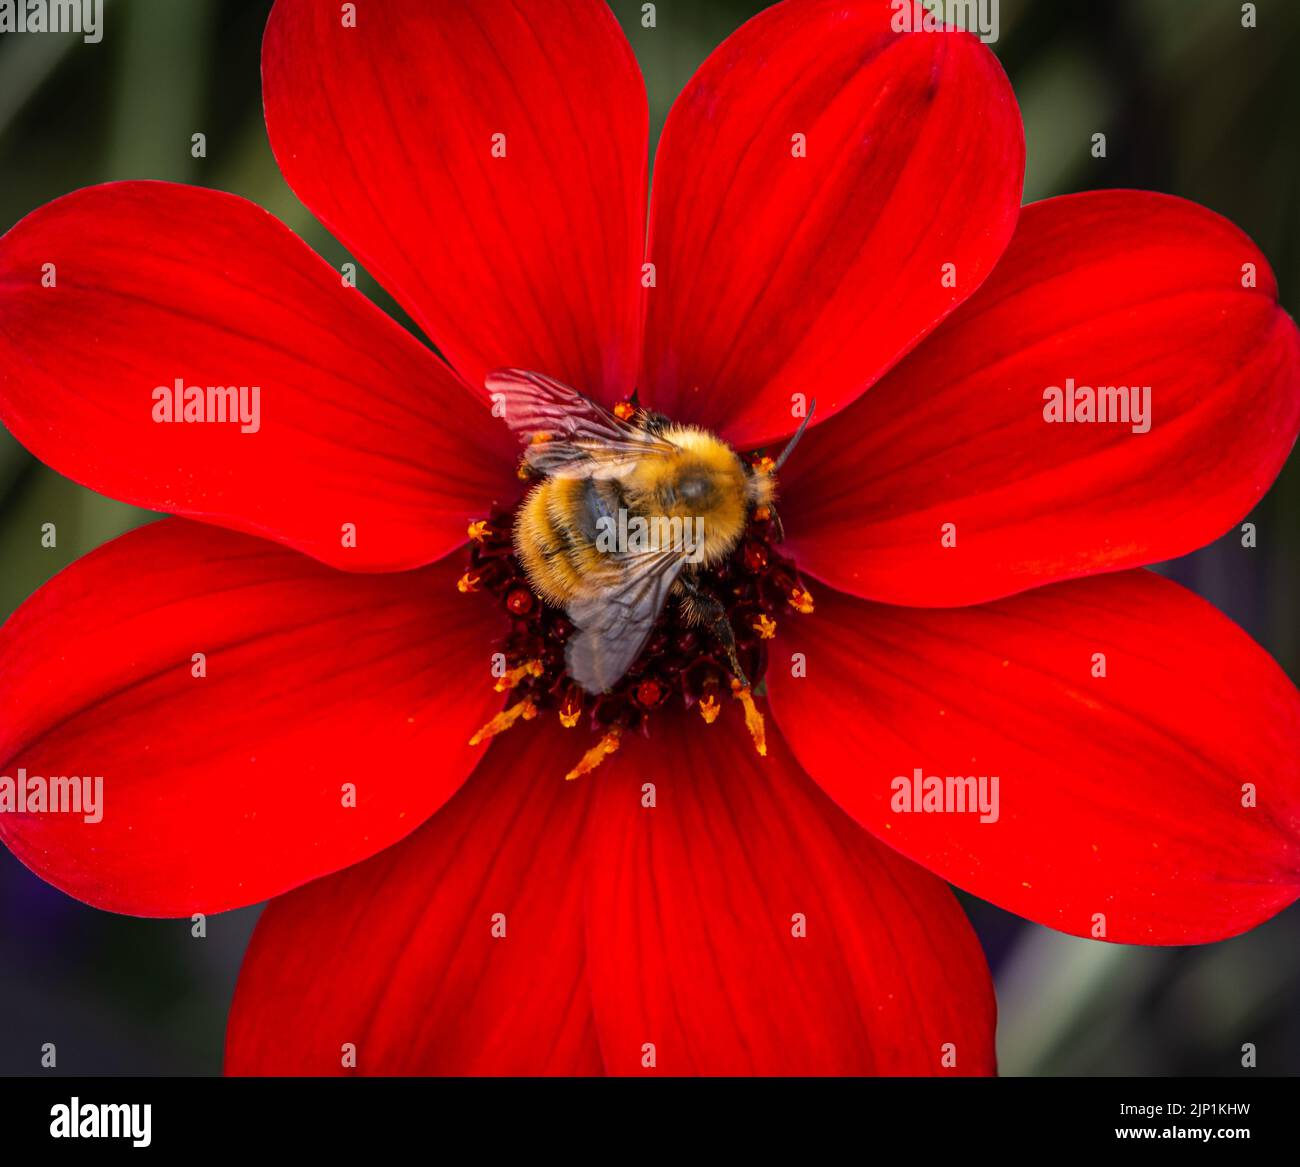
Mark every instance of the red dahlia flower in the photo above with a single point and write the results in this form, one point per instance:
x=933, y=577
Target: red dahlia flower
x=835, y=213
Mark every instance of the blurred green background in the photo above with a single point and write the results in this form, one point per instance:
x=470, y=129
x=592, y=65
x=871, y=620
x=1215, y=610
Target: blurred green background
x=1190, y=103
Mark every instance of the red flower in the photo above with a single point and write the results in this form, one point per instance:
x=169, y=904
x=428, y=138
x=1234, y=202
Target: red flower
x=835, y=208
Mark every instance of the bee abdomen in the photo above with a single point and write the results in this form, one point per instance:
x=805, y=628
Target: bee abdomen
x=552, y=540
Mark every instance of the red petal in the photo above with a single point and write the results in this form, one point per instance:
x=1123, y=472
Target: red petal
x=778, y=274
x=1118, y=795
x=397, y=955
x=225, y=789
x=1111, y=288
x=386, y=132
x=359, y=423
x=692, y=912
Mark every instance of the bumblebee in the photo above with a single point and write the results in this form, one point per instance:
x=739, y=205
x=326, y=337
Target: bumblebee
x=629, y=511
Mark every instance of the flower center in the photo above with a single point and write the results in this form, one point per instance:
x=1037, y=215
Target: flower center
x=684, y=662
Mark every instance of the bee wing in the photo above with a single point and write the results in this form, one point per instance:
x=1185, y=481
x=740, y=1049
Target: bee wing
x=569, y=435
x=614, y=616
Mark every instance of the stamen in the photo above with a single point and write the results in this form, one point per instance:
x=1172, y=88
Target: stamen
x=624, y=410
x=597, y=754
x=532, y=668
x=765, y=626
x=709, y=704
x=764, y=464
x=753, y=719
x=505, y=719
x=478, y=530
x=800, y=599
x=571, y=709
x=468, y=582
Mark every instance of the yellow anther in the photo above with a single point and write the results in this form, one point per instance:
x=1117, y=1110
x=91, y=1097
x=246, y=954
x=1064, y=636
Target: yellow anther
x=762, y=514
x=571, y=707
x=468, y=582
x=478, y=530
x=765, y=626
x=753, y=719
x=800, y=599
x=505, y=719
x=624, y=410
x=597, y=754
x=764, y=465
x=710, y=707
x=532, y=668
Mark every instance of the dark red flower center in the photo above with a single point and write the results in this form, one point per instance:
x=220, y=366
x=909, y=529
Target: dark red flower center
x=682, y=663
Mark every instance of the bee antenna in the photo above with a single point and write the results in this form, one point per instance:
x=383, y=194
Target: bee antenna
x=794, y=441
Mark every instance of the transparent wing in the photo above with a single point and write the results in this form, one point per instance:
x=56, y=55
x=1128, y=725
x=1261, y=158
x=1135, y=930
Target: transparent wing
x=613, y=617
x=568, y=435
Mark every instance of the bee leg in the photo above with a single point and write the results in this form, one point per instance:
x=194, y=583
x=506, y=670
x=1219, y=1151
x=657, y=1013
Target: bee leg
x=778, y=528
x=707, y=611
